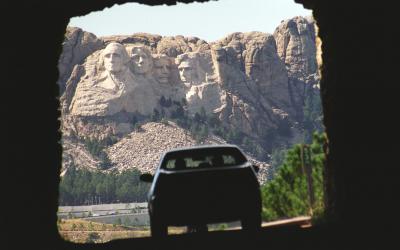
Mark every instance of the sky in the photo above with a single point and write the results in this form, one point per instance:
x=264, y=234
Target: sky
x=209, y=21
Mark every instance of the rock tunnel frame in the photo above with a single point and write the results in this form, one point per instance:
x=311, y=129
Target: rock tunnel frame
x=350, y=192
x=292, y=104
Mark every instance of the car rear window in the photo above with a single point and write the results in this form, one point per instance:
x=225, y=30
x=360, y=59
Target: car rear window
x=203, y=158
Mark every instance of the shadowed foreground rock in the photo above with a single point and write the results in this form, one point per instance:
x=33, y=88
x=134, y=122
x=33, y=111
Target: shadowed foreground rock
x=360, y=100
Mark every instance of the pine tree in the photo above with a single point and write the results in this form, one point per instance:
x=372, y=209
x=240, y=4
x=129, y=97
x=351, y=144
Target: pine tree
x=80, y=187
x=155, y=116
x=203, y=114
x=184, y=102
x=119, y=221
x=168, y=102
x=287, y=195
x=162, y=101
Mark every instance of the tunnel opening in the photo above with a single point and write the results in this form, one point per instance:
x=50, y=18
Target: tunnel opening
x=292, y=158
x=361, y=165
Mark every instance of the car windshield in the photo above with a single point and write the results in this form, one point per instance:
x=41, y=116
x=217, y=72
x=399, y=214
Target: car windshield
x=203, y=158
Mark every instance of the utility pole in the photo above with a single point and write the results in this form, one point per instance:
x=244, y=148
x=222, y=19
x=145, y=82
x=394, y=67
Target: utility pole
x=305, y=155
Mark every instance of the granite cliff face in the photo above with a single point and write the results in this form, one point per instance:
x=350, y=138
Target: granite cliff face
x=295, y=39
x=77, y=46
x=252, y=85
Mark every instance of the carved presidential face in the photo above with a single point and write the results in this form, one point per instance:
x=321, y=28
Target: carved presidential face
x=114, y=57
x=142, y=61
x=186, y=71
x=162, y=69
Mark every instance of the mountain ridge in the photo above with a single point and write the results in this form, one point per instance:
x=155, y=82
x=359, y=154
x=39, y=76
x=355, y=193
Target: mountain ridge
x=249, y=89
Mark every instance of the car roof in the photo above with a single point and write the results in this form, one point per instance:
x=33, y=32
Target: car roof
x=192, y=149
x=211, y=146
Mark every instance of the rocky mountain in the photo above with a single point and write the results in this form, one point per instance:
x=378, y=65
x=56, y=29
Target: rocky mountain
x=127, y=99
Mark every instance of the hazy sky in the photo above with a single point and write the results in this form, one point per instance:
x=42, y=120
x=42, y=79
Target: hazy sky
x=209, y=21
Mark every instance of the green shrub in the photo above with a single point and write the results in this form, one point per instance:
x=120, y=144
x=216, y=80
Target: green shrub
x=92, y=237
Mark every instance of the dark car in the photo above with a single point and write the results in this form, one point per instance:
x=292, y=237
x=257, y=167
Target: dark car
x=203, y=185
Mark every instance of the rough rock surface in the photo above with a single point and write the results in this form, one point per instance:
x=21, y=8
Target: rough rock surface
x=77, y=46
x=295, y=39
x=254, y=79
x=254, y=83
x=142, y=149
x=76, y=154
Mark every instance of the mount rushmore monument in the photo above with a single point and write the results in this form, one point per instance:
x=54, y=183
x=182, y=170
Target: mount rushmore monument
x=124, y=89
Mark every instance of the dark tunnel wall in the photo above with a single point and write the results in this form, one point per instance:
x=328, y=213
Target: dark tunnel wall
x=359, y=90
x=359, y=93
